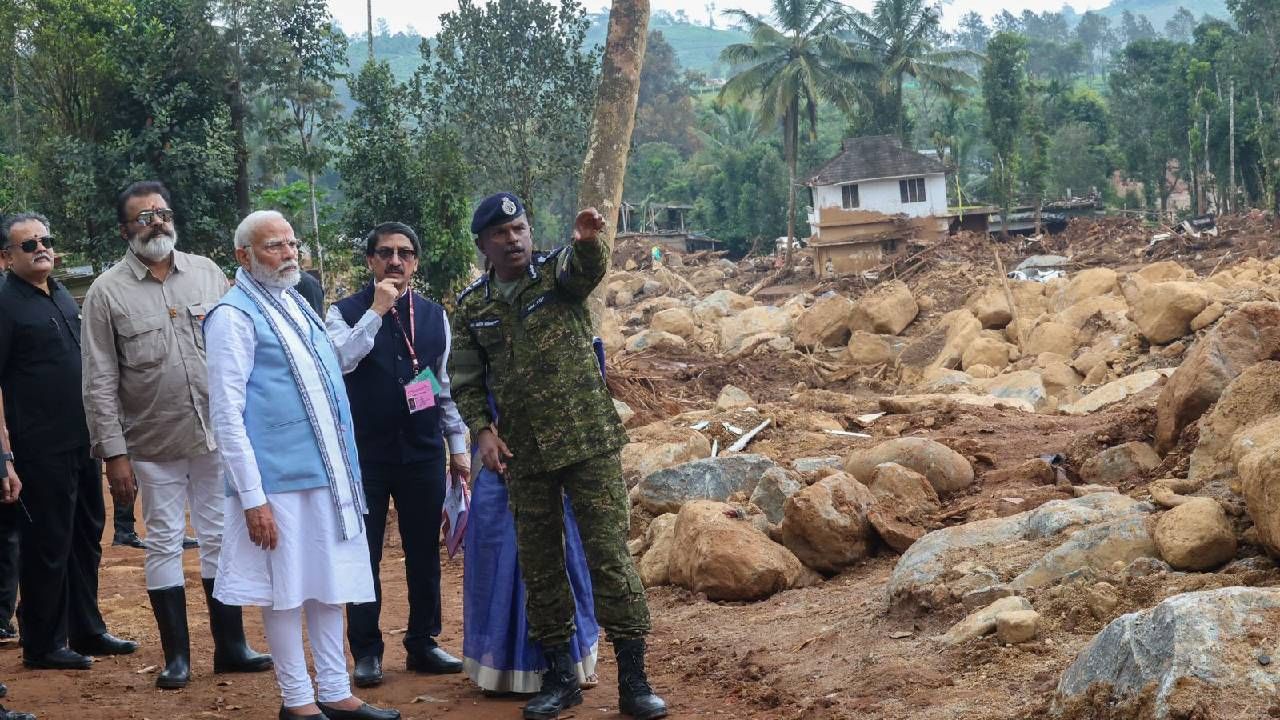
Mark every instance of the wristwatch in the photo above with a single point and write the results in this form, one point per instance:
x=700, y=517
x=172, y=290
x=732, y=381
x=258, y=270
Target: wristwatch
x=4, y=466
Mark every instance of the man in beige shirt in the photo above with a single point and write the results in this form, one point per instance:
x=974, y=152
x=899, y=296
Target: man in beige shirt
x=147, y=404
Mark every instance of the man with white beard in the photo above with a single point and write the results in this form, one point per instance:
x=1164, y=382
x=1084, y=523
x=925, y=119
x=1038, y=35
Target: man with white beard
x=147, y=404
x=295, y=539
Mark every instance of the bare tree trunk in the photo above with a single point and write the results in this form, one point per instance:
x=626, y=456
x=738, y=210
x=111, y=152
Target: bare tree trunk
x=241, y=145
x=791, y=127
x=1039, y=213
x=1207, y=172
x=1231, y=138
x=369, y=17
x=605, y=165
x=315, y=224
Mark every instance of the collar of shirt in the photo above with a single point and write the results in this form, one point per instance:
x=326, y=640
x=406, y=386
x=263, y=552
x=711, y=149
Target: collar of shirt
x=140, y=269
x=531, y=272
x=27, y=288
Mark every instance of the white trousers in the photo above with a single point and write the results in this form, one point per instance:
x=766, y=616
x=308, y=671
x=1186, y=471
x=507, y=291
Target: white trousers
x=284, y=636
x=167, y=488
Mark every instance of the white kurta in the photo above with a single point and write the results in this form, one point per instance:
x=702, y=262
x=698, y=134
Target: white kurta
x=311, y=560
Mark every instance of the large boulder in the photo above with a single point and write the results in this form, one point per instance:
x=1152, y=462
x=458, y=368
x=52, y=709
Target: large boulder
x=1054, y=337
x=947, y=470
x=1117, y=464
x=868, y=349
x=1115, y=391
x=887, y=310
x=727, y=558
x=825, y=525
x=826, y=324
x=1163, y=271
x=1196, y=535
x=991, y=306
x=709, y=478
x=721, y=303
x=1259, y=470
x=1086, y=284
x=677, y=321
x=1195, y=655
x=904, y=500
x=1251, y=397
x=772, y=491
x=655, y=340
x=1109, y=308
x=942, y=347
x=660, y=445
x=946, y=564
x=1246, y=336
x=990, y=352
x=733, y=397
x=1025, y=385
x=1164, y=310
x=655, y=564
x=1093, y=549
x=759, y=320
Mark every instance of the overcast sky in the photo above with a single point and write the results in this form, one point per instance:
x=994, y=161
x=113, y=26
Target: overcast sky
x=423, y=14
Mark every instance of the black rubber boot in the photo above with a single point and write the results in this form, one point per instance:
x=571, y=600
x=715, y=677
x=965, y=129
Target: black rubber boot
x=231, y=652
x=559, y=690
x=170, y=608
x=635, y=697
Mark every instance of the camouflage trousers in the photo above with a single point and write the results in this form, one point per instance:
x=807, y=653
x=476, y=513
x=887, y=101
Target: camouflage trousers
x=599, y=500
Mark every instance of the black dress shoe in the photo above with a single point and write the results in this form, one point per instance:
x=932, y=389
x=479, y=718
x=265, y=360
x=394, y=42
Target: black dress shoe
x=190, y=543
x=105, y=644
x=368, y=671
x=364, y=712
x=60, y=659
x=286, y=715
x=15, y=715
x=434, y=661
x=131, y=539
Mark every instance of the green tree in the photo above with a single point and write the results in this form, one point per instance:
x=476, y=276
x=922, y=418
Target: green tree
x=664, y=110
x=308, y=55
x=1095, y=34
x=391, y=171
x=900, y=36
x=1150, y=102
x=511, y=78
x=1004, y=94
x=1036, y=169
x=790, y=69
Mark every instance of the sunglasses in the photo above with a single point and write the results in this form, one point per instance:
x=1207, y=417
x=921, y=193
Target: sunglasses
x=146, y=217
x=29, y=246
x=386, y=253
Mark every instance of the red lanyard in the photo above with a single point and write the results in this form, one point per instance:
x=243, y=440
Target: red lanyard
x=408, y=334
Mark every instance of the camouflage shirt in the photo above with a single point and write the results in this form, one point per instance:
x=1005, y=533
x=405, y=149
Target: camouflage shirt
x=533, y=352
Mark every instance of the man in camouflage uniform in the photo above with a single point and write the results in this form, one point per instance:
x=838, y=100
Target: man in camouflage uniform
x=523, y=334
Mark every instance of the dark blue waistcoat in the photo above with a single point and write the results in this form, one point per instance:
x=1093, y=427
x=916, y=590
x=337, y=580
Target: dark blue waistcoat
x=385, y=430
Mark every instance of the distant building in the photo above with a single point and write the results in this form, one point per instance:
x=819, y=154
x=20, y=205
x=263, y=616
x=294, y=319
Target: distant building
x=870, y=200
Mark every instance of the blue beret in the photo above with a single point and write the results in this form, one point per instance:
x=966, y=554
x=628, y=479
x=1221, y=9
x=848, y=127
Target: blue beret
x=497, y=209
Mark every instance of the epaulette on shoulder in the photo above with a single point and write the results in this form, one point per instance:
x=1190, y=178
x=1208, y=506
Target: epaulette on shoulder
x=479, y=282
x=542, y=258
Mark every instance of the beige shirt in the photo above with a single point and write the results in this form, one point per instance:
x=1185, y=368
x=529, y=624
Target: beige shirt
x=146, y=390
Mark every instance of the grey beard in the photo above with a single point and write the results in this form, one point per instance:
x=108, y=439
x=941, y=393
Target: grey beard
x=280, y=278
x=156, y=249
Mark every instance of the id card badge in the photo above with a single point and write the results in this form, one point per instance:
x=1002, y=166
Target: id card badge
x=420, y=396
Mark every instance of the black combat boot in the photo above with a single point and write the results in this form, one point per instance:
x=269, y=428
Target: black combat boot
x=170, y=608
x=560, y=689
x=231, y=652
x=635, y=697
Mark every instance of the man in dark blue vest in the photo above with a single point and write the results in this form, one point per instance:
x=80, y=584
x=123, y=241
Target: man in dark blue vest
x=393, y=345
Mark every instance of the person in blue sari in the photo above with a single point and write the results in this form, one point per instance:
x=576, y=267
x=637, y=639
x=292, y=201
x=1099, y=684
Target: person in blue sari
x=498, y=654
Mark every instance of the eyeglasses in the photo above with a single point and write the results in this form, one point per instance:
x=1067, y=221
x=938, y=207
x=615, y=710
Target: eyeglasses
x=146, y=217
x=275, y=247
x=29, y=246
x=386, y=253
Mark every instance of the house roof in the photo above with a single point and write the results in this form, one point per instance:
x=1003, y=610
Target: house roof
x=874, y=157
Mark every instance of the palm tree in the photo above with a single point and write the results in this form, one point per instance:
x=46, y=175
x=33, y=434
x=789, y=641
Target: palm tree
x=790, y=68
x=898, y=36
